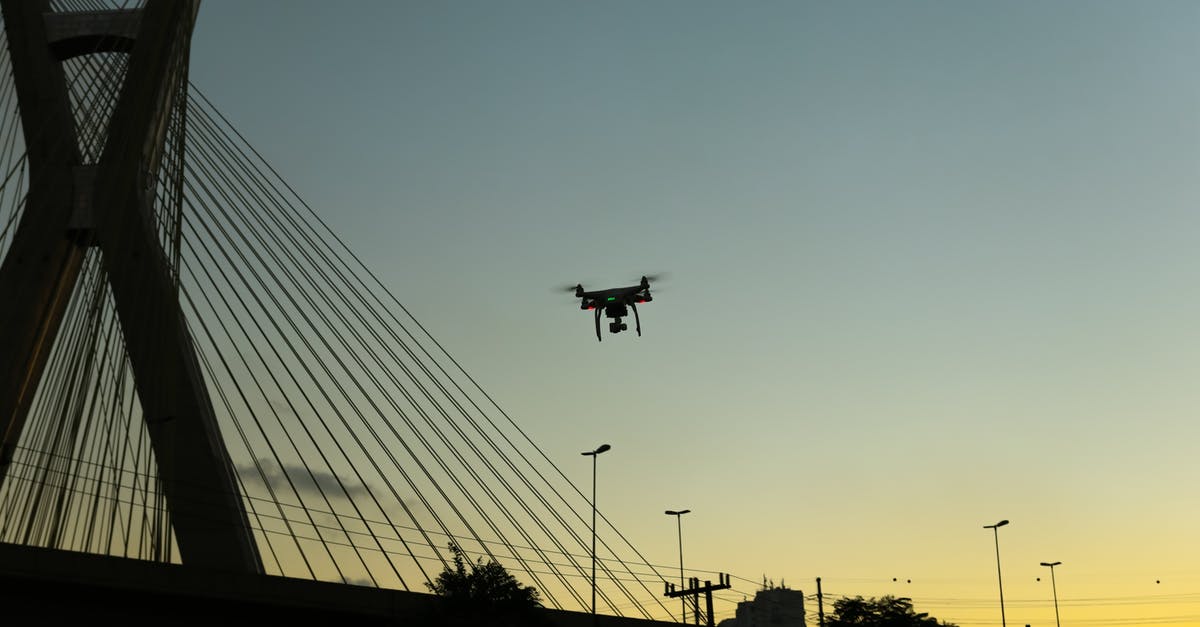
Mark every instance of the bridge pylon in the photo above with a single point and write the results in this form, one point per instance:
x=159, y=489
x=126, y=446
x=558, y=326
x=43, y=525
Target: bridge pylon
x=77, y=202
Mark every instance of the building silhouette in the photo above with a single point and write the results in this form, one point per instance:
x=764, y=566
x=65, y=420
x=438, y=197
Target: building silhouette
x=771, y=607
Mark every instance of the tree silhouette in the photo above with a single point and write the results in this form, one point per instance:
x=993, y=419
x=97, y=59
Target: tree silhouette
x=887, y=611
x=479, y=591
x=484, y=583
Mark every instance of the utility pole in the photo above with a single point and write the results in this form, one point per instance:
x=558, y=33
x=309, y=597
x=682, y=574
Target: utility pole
x=820, y=605
x=696, y=590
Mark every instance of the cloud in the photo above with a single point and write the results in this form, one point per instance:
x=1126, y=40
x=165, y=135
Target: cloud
x=305, y=480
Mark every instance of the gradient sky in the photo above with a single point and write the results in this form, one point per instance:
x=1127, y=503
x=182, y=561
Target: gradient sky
x=931, y=265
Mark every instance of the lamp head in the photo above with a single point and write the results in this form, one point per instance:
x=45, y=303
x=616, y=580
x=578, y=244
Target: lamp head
x=1052, y=565
x=599, y=450
x=677, y=513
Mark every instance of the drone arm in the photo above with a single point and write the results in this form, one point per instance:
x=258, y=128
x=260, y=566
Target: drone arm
x=637, y=320
x=598, y=325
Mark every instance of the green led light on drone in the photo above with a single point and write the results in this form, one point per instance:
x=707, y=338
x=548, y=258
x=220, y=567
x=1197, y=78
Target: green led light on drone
x=611, y=298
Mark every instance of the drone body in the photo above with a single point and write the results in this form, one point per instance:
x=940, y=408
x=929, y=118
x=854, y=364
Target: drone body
x=615, y=303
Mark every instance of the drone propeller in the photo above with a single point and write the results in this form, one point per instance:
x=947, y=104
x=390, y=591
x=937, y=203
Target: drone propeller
x=565, y=288
x=653, y=278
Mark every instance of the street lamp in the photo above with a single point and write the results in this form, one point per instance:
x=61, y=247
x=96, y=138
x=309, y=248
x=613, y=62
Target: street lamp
x=1054, y=586
x=1000, y=579
x=594, y=454
x=679, y=524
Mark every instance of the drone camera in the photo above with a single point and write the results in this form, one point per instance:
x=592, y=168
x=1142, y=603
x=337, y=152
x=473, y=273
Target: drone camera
x=617, y=327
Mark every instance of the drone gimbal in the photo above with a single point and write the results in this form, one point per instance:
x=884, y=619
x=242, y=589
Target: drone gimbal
x=617, y=311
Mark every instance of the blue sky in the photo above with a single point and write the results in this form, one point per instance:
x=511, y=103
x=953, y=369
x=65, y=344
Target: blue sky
x=930, y=263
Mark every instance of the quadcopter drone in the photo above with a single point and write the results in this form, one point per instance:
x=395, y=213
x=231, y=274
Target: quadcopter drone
x=616, y=303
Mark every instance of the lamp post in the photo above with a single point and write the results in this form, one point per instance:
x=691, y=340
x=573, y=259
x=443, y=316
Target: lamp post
x=679, y=525
x=1054, y=587
x=594, y=454
x=999, y=578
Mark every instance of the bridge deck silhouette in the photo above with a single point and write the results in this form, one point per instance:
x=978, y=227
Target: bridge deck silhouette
x=54, y=587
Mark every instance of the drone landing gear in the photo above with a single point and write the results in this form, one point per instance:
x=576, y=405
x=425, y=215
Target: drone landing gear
x=616, y=312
